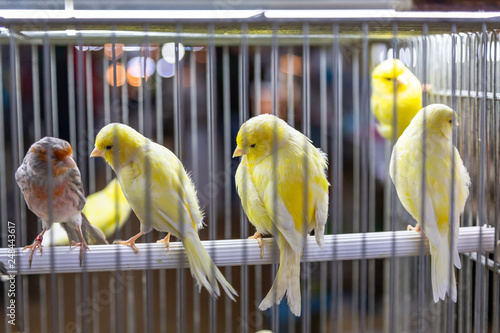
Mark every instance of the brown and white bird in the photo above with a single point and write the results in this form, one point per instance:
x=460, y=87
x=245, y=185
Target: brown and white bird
x=64, y=187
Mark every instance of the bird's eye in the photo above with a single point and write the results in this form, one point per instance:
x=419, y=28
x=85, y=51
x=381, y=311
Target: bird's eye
x=450, y=121
x=388, y=79
x=108, y=147
x=53, y=156
x=252, y=146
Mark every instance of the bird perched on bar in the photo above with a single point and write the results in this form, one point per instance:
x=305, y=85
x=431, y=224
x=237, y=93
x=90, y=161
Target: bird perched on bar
x=273, y=196
x=50, y=181
x=408, y=96
x=406, y=173
x=108, y=210
x=162, y=195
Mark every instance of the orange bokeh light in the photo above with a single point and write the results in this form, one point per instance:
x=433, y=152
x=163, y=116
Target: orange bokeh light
x=108, y=50
x=135, y=81
x=153, y=51
x=120, y=74
x=296, y=64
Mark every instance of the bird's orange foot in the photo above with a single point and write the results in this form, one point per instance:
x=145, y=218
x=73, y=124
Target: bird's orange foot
x=417, y=228
x=81, y=245
x=258, y=237
x=426, y=87
x=36, y=244
x=165, y=241
x=130, y=242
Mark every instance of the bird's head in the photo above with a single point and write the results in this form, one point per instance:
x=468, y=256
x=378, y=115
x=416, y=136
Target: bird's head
x=440, y=118
x=259, y=136
x=51, y=150
x=388, y=72
x=117, y=144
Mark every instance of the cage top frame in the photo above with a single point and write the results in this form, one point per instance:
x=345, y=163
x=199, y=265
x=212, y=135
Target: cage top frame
x=63, y=26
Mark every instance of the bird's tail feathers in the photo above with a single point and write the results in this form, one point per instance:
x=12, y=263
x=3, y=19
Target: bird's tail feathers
x=320, y=217
x=97, y=237
x=73, y=234
x=456, y=256
x=203, y=269
x=440, y=270
x=287, y=280
x=319, y=233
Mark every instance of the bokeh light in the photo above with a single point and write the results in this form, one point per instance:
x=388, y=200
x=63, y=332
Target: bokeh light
x=165, y=68
x=296, y=64
x=153, y=50
x=120, y=74
x=133, y=80
x=135, y=67
x=108, y=50
x=168, y=52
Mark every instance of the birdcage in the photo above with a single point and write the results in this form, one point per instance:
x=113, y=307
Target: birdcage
x=188, y=80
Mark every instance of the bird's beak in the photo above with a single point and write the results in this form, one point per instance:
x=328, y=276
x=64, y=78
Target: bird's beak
x=402, y=80
x=96, y=153
x=70, y=162
x=456, y=123
x=238, y=152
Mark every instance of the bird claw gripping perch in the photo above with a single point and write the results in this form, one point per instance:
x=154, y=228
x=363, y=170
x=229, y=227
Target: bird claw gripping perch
x=36, y=244
x=165, y=241
x=258, y=237
x=417, y=228
x=82, y=245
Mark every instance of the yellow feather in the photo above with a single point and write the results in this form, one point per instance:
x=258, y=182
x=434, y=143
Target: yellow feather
x=161, y=194
x=408, y=96
x=266, y=141
x=406, y=173
x=108, y=209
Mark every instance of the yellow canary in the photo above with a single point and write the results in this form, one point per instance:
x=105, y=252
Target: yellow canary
x=160, y=192
x=406, y=173
x=108, y=209
x=282, y=213
x=408, y=96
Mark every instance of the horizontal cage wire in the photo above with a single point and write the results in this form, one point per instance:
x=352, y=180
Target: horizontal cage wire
x=189, y=85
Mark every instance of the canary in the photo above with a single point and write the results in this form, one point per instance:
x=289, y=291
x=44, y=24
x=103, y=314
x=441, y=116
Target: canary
x=65, y=191
x=408, y=96
x=406, y=173
x=162, y=195
x=284, y=217
x=108, y=210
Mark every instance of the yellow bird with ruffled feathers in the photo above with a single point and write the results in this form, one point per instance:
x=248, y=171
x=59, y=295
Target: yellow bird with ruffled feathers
x=408, y=96
x=262, y=141
x=160, y=192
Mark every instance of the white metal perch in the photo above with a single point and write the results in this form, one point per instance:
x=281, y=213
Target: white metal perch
x=237, y=252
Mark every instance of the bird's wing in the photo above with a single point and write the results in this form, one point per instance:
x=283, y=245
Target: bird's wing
x=172, y=195
x=285, y=224
x=429, y=223
x=262, y=211
x=251, y=200
x=406, y=174
x=192, y=200
x=75, y=184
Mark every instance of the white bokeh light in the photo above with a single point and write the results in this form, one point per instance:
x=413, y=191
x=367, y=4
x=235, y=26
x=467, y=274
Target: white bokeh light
x=165, y=68
x=135, y=67
x=168, y=52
